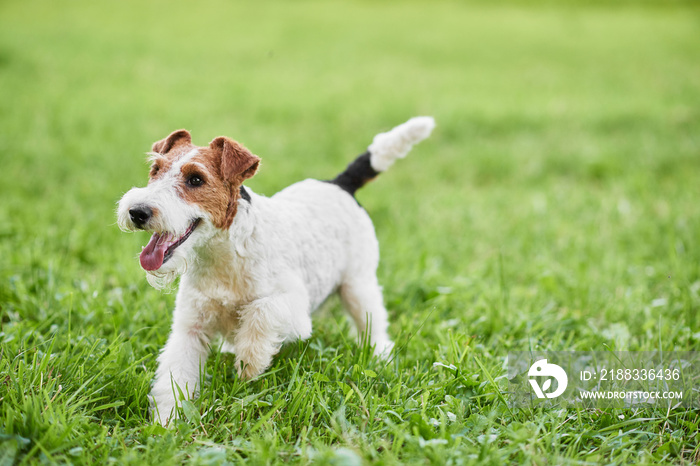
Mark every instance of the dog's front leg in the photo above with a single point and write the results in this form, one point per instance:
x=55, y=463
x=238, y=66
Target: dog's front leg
x=179, y=367
x=264, y=325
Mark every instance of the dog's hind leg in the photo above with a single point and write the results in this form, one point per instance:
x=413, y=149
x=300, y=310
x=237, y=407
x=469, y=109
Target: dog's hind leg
x=363, y=300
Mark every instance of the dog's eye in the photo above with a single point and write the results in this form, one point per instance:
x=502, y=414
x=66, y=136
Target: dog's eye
x=154, y=170
x=195, y=180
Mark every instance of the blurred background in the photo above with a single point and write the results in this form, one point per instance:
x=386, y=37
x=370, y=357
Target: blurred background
x=555, y=206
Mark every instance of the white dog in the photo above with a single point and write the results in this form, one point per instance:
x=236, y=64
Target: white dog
x=254, y=268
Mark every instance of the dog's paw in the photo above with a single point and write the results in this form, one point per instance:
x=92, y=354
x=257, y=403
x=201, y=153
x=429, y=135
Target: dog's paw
x=383, y=349
x=247, y=371
x=162, y=411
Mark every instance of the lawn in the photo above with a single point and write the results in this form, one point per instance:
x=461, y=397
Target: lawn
x=555, y=207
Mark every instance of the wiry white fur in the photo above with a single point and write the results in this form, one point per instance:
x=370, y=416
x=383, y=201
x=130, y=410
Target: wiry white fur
x=395, y=144
x=175, y=216
x=257, y=283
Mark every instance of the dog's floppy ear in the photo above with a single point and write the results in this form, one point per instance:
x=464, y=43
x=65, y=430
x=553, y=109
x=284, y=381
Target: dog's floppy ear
x=237, y=163
x=176, y=137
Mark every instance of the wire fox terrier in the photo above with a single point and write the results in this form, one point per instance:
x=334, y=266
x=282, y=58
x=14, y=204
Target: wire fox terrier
x=254, y=268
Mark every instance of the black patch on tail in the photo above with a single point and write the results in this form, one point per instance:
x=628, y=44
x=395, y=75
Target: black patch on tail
x=358, y=173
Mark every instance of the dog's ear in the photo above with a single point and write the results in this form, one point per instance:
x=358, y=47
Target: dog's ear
x=176, y=137
x=237, y=163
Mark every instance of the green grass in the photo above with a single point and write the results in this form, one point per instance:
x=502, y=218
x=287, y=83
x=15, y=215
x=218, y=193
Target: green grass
x=555, y=207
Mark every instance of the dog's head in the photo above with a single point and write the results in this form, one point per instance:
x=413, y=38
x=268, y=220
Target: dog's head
x=192, y=194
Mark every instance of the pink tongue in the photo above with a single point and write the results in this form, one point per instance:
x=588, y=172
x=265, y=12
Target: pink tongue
x=152, y=255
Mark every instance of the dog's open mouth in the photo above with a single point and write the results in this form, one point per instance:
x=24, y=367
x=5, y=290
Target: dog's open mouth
x=162, y=246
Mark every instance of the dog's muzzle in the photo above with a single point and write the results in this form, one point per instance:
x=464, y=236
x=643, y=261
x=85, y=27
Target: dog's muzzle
x=140, y=215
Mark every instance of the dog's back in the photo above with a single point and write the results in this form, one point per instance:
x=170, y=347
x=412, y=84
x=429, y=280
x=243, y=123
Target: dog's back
x=324, y=230
x=326, y=234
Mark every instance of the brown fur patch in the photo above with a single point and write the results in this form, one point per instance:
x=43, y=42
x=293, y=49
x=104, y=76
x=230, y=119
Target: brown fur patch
x=214, y=195
x=236, y=161
x=161, y=164
x=237, y=165
x=166, y=151
x=223, y=166
x=181, y=136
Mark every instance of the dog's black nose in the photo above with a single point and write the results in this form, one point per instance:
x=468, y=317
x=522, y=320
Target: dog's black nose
x=140, y=215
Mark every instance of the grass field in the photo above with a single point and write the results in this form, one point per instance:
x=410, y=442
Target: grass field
x=555, y=207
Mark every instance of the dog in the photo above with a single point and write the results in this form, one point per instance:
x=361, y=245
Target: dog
x=253, y=268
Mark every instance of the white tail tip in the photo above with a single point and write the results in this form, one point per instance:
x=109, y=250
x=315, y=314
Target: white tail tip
x=395, y=144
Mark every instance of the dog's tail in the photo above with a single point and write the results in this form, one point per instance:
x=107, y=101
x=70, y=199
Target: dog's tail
x=383, y=152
